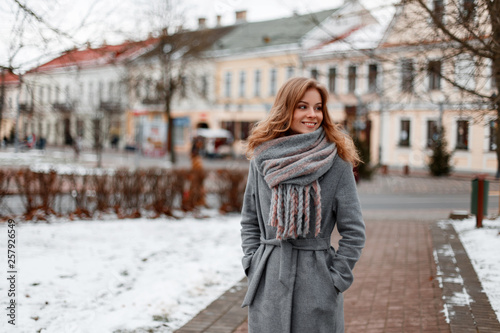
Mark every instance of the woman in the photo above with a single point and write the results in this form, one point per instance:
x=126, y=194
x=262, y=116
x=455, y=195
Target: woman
x=300, y=185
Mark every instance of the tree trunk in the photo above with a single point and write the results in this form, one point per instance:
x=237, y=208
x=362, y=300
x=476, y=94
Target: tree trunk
x=170, y=131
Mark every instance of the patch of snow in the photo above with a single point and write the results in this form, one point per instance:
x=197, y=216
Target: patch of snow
x=112, y=275
x=482, y=246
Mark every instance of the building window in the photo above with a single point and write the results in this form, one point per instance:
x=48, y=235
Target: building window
x=184, y=84
x=493, y=81
x=227, y=84
x=41, y=95
x=79, y=128
x=314, y=73
x=438, y=10
x=468, y=10
x=464, y=72
x=290, y=72
x=407, y=75
x=332, y=78
x=147, y=89
x=493, y=135
x=272, y=82
x=257, y=83
x=372, y=77
x=204, y=86
x=100, y=93
x=91, y=93
x=245, y=129
x=351, y=79
x=230, y=126
x=462, y=134
x=49, y=95
x=432, y=133
x=404, y=134
x=57, y=92
x=242, y=83
x=111, y=91
x=434, y=71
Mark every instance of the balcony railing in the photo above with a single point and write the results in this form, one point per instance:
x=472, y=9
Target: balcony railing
x=62, y=107
x=151, y=101
x=111, y=107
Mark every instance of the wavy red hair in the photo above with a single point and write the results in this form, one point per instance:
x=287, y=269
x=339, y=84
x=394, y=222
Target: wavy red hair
x=279, y=120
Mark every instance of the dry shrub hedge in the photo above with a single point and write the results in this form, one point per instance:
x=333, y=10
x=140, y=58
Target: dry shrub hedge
x=130, y=194
x=5, y=182
x=230, y=189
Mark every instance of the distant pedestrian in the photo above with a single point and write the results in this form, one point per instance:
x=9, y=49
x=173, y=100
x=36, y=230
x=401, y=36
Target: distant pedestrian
x=300, y=185
x=196, y=148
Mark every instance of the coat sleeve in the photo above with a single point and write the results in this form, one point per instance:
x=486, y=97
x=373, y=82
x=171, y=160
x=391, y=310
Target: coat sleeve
x=250, y=231
x=351, y=228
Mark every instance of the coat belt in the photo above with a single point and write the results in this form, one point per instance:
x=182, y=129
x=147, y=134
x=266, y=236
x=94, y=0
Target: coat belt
x=287, y=270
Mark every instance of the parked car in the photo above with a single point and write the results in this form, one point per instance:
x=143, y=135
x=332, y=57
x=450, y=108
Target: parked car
x=217, y=143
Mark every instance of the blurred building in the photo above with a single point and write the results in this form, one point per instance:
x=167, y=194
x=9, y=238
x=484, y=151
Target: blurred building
x=179, y=72
x=343, y=59
x=9, y=91
x=386, y=85
x=82, y=93
x=426, y=78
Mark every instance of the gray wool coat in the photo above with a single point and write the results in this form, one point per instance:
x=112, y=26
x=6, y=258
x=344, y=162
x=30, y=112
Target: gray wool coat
x=297, y=285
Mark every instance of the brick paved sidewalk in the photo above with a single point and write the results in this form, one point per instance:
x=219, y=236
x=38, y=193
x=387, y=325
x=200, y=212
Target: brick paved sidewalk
x=467, y=306
x=395, y=289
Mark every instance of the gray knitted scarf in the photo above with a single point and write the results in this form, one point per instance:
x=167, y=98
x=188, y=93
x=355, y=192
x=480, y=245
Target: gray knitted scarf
x=291, y=166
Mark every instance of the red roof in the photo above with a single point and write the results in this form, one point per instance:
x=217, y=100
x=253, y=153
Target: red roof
x=9, y=78
x=100, y=56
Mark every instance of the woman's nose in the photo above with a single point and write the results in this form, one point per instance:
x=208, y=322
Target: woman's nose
x=311, y=113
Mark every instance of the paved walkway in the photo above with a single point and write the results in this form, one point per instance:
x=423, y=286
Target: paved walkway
x=397, y=286
x=394, y=288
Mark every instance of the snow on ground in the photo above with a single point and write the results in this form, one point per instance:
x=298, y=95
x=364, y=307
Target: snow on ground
x=483, y=246
x=61, y=161
x=120, y=275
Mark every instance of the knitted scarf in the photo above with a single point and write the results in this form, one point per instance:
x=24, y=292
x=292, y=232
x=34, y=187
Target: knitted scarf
x=291, y=166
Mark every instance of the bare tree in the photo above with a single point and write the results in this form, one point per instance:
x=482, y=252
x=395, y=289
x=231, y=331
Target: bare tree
x=36, y=34
x=457, y=42
x=172, y=62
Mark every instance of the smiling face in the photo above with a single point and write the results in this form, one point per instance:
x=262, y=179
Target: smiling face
x=308, y=113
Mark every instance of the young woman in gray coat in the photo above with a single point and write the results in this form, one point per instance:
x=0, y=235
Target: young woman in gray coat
x=300, y=185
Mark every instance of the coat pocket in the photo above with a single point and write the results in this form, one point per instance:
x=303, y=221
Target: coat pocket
x=329, y=263
x=246, y=262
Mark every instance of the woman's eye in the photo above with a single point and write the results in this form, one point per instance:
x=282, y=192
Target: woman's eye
x=319, y=108
x=302, y=107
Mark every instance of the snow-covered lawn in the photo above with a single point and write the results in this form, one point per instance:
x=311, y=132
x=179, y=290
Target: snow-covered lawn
x=483, y=248
x=120, y=275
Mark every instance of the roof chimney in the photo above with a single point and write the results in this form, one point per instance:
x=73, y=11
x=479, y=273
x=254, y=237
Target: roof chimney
x=219, y=20
x=202, y=23
x=241, y=16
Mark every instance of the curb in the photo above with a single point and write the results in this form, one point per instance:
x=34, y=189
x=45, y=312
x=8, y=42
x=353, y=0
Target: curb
x=465, y=304
x=224, y=315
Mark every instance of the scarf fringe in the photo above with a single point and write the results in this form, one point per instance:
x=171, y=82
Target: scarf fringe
x=292, y=217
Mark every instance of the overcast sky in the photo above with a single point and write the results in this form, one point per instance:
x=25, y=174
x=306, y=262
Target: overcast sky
x=116, y=20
